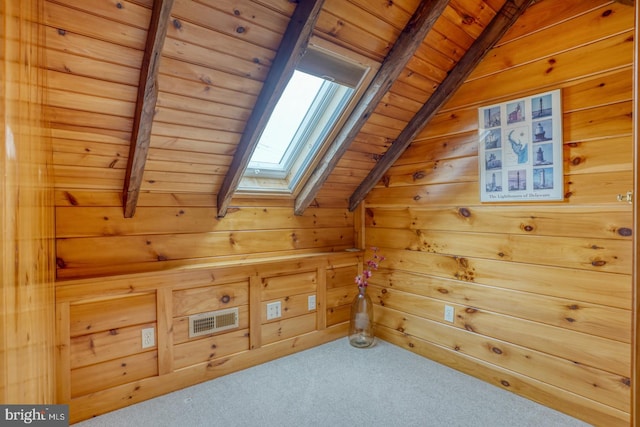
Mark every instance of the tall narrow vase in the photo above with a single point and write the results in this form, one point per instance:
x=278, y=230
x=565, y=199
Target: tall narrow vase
x=361, y=324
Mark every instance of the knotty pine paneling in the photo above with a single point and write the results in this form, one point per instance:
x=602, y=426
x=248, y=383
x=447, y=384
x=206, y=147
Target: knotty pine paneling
x=27, y=317
x=453, y=33
x=254, y=227
x=102, y=365
x=542, y=292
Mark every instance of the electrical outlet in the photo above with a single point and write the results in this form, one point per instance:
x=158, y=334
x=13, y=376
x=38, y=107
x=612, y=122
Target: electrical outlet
x=148, y=337
x=448, y=313
x=311, y=302
x=274, y=310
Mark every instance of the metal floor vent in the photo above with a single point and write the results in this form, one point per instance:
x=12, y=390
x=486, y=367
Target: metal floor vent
x=213, y=321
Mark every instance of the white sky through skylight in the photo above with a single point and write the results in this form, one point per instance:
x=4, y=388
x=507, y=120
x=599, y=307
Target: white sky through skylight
x=286, y=118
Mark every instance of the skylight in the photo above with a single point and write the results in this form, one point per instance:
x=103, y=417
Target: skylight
x=285, y=120
x=308, y=113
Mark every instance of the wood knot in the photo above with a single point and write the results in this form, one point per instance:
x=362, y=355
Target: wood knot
x=470, y=310
x=626, y=381
x=236, y=12
x=60, y=263
x=384, y=291
x=570, y=319
x=598, y=263
x=417, y=197
x=225, y=299
x=625, y=232
x=443, y=290
x=411, y=345
x=386, y=180
x=576, y=161
x=468, y=20
x=505, y=383
x=177, y=24
x=71, y=199
x=529, y=228
x=464, y=212
x=119, y=5
x=496, y=350
x=606, y=13
x=62, y=32
x=418, y=175
x=240, y=30
x=161, y=258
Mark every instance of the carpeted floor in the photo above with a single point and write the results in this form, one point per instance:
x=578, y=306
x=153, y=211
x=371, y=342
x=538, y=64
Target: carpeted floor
x=338, y=385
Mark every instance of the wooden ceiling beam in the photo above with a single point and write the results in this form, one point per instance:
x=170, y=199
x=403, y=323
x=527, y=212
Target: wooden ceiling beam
x=292, y=47
x=145, y=105
x=499, y=25
x=402, y=51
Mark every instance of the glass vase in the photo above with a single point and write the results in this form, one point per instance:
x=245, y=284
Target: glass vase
x=361, y=323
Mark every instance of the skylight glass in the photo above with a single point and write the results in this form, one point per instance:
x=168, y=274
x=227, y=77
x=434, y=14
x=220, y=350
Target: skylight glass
x=308, y=114
x=285, y=120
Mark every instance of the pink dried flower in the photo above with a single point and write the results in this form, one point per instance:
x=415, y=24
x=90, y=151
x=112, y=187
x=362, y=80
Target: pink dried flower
x=372, y=264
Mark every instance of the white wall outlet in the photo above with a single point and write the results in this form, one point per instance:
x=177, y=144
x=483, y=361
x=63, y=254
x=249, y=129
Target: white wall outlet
x=274, y=310
x=148, y=337
x=448, y=313
x=311, y=302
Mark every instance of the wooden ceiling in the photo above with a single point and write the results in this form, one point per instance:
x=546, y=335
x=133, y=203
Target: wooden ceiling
x=169, y=95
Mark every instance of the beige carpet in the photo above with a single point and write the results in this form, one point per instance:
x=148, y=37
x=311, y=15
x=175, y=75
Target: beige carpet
x=338, y=385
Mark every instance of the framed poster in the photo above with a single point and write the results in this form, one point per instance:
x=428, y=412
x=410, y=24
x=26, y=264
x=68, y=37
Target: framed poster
x=520, y=151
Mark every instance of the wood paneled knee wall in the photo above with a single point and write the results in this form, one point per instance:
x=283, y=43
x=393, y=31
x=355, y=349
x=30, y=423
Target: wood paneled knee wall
x=101, y=362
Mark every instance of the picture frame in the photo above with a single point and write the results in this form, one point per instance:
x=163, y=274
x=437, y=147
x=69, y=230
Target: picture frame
x=520, y=149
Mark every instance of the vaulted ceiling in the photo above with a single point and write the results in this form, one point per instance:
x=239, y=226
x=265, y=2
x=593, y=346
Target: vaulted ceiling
x=170, y=95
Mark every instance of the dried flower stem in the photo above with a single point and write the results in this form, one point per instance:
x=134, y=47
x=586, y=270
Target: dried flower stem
x=362, y=280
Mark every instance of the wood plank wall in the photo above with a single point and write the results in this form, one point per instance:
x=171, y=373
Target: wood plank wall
x=635, y=374
x=202, y=108
x=168, y=230
x=542, y=292
x=26, y=213
x=102, y=364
